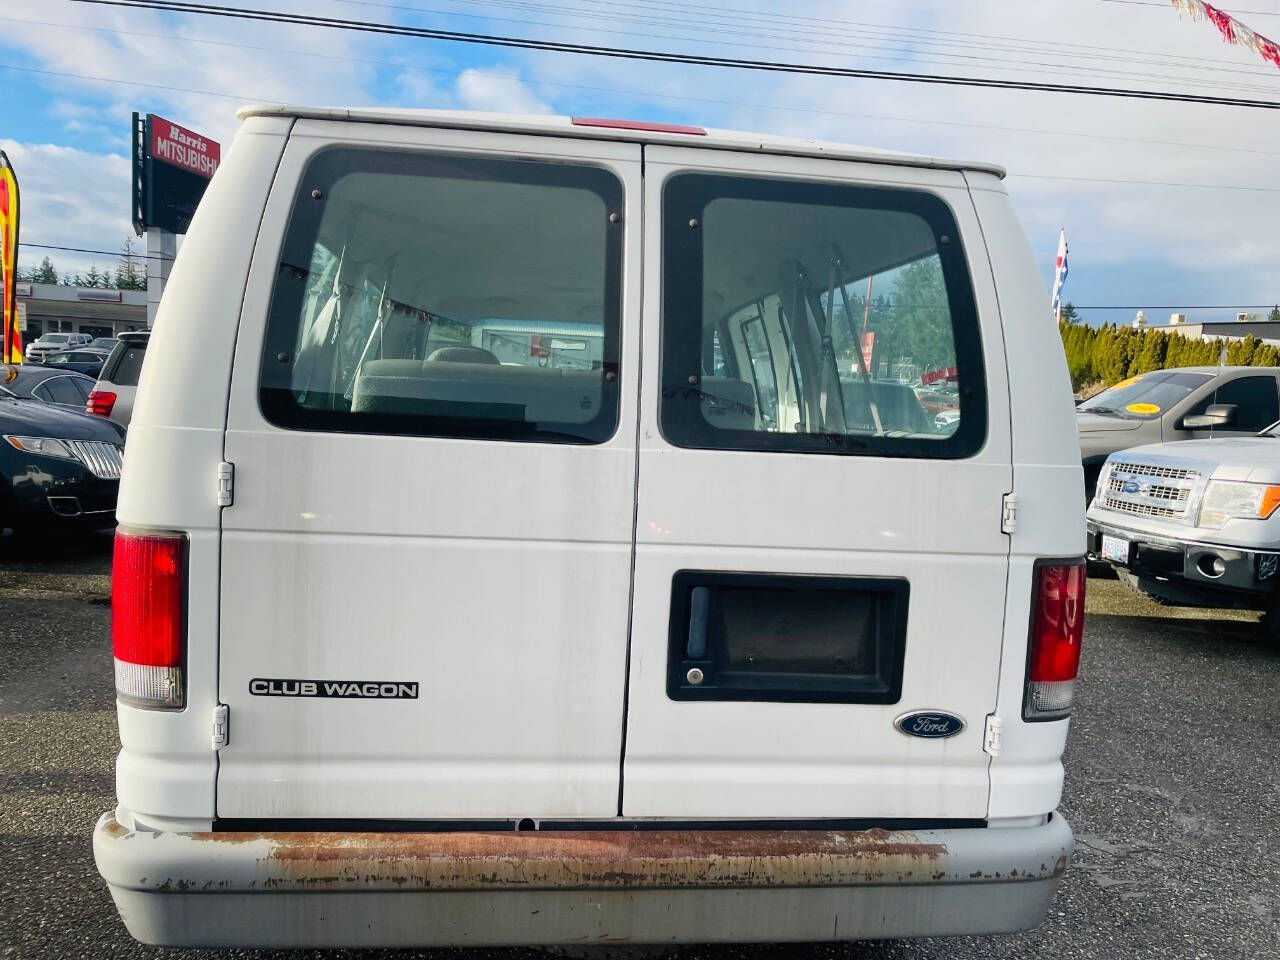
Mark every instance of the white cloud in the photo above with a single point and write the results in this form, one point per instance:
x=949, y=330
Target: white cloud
x=71, y=198
x=494, y=89
x=1226, y=238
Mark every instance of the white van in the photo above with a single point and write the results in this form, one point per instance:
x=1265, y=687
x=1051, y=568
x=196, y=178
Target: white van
x=717, y=636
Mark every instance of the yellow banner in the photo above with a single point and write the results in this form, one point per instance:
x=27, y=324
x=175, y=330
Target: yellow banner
x=11, y=348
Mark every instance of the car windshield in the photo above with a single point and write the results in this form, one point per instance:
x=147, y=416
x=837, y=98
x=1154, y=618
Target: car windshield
x=1145, y=396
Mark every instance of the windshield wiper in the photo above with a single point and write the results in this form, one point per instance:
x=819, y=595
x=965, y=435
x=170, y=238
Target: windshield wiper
x=1102, y=411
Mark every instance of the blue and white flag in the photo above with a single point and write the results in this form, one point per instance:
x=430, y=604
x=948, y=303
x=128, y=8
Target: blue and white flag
x=1060, y=275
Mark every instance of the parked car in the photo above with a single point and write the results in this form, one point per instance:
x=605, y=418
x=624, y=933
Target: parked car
x=113, y=394
x=84, y=360
x=1195, y=523
x=42, y=346
x=46, y=384
x=1162, y=406
x=799, y=661
x=103, y=343
x=58, y=469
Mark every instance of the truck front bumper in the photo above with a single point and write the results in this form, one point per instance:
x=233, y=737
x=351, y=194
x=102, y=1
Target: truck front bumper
x=301, y=889
x=1195, y=571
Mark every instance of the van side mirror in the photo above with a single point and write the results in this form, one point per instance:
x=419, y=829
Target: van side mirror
x=1215, y=415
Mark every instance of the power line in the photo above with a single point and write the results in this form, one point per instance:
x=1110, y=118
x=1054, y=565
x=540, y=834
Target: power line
x=1146, y=183
x=736, y=29
x=656, y=56
x=243, y=98
x=1150, y=3
x=105, y=253
x=1071, y=134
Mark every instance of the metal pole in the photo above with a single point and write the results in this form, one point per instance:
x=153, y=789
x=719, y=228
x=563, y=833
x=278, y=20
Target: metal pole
x=162, y=247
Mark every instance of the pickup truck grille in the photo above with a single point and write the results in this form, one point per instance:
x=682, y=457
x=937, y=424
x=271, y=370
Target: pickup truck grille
x=1151, y=490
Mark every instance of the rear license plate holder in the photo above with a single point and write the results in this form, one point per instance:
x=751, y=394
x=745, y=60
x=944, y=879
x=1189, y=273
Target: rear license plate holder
x=1115, y=549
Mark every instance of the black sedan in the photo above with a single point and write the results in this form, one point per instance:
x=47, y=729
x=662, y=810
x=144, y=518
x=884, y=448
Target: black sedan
x=83, y=360
x=57, y=469
x=66, y=388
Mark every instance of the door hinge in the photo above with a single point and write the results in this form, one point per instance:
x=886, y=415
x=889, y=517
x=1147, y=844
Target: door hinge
x=221, y=726
x=1009, y=513
x=991, y=738
x=226, y=483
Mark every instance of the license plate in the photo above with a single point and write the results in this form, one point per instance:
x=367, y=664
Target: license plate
x=1113, y=548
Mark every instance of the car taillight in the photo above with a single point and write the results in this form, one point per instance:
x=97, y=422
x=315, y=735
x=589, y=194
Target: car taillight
x=100, y=402
x=1057, y=628
x=148, y=579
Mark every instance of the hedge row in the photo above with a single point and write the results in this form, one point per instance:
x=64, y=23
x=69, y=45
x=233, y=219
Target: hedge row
x=1110, y=354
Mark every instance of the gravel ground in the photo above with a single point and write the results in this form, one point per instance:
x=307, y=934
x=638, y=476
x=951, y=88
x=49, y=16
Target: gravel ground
x=1171, y=776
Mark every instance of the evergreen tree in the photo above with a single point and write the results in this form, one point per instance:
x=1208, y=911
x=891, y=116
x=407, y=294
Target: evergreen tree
x=1274, y=316
x=45, y=273
x=1069, y=313
x=130, y=274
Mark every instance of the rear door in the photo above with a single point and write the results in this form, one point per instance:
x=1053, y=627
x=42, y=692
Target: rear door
x=820, y=569
x=426, y=569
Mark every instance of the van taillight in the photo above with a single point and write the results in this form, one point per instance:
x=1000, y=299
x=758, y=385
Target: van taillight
x=148, y=577
x=1057, y=628
x=100, y=402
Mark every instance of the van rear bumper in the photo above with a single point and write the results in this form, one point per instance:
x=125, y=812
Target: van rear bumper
x=558, y=887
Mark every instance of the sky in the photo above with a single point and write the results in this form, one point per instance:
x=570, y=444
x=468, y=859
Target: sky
x=1167, y=207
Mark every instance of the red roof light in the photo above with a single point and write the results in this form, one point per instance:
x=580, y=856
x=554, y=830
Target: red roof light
x=638, y=125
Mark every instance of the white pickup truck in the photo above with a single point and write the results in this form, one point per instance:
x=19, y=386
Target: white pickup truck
x=1194, y=523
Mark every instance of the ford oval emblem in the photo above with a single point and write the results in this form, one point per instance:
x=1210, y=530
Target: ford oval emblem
x=1131, y=486
x=929, y=724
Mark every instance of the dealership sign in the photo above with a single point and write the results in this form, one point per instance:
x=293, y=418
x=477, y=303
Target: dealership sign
x=171, y=168
x=183, y=148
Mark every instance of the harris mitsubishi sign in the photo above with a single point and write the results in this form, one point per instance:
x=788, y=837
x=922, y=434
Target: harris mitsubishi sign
x=171, y=168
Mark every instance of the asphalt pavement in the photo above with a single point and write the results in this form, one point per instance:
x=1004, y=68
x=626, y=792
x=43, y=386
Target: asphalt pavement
x=1173, y=771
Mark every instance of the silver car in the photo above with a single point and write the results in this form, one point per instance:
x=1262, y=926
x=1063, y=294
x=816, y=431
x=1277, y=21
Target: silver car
x=1184, y=403
x=113, y=394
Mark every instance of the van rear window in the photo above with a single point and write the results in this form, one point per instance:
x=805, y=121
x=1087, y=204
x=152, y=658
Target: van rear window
x=817, y=317
x=447, y=296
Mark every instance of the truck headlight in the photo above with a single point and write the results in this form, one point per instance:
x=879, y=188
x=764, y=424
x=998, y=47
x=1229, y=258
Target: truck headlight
x=1229, y=500
x=45, y=446
x=1103, y=482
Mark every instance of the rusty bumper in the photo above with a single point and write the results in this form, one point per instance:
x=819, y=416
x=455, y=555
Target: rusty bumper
x=568, y=886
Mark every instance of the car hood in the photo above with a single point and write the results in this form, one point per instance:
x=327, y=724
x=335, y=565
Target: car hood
x=1255, y=459
x=1093, y=423
x=30, y=418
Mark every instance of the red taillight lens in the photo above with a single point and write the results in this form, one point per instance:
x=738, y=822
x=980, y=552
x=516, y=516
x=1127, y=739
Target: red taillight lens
x=1057, y=629
x=100, y=402
x=148, y=577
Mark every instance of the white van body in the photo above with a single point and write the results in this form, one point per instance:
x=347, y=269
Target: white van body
x=607, y=643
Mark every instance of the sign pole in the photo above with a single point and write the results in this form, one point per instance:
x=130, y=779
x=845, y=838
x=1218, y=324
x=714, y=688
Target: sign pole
x=162, y=247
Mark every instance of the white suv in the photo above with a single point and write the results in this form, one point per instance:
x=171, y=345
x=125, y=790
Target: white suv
x=528, y=537
x=42, y=346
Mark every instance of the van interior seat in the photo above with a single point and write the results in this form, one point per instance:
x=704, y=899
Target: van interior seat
x=486, y=390
x=728, y=403
x=463, y=355
x=899, y=407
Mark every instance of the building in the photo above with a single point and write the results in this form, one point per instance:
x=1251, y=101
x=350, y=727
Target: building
x=1245, y=324
x=51, y=308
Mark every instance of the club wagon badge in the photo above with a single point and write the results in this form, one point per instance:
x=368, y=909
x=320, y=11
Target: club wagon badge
x=929, y=724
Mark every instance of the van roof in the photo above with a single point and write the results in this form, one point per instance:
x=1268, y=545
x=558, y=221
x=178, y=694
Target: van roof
x=564, y=126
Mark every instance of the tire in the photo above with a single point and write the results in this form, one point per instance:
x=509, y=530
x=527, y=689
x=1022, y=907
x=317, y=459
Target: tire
x=1134, y=583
